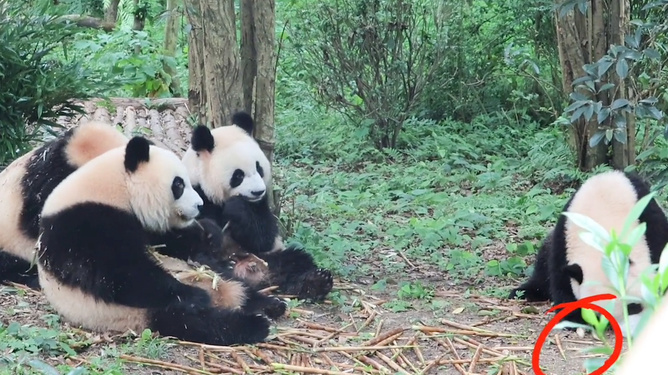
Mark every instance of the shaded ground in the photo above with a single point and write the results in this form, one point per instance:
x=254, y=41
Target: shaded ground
x=452, y=331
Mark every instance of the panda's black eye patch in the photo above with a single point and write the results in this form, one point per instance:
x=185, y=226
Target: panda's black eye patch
x=259, y=169
x=178, y=186
x=237, y=178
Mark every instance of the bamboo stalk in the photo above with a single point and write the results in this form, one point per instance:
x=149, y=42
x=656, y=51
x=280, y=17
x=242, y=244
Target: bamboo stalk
x=162, y=364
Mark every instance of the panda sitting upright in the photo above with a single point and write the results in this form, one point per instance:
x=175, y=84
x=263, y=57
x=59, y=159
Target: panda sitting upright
x=231, y=173
x=94, y=265
x=568, y=269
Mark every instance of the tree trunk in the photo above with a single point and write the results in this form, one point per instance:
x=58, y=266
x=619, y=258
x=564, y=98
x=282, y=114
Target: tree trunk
x=196, y=78
x=171, y=37
x=263, y=38
x=584, y=39
x=248, y=53
x=111, y=13
x=623, y=154
x=221, y=61
x=225, y=78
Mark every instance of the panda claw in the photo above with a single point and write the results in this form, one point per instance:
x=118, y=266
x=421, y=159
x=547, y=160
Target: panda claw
x=276, y=308
x=317, y=284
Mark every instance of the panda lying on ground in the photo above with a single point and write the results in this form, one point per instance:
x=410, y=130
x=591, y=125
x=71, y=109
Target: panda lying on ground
x=231, y=173
x=27, y=182
x=94, y=266
x=567, y=269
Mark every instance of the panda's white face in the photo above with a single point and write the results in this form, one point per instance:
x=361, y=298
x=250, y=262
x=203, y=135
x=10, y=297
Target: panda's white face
x=235, y=166
x=247, y=182
x=170, y=200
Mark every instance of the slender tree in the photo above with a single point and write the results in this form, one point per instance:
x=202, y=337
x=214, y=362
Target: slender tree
x=225, y=75
x=585, y=32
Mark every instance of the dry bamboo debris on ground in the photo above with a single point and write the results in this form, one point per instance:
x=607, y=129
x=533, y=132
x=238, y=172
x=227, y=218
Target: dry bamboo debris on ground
x=309, y=350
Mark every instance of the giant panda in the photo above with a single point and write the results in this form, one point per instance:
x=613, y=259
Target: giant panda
x=27, y=182
x=567, y=269
x=94, y=266
x=231, y=174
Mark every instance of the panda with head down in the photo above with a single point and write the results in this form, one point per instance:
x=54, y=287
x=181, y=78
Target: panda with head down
x=231, y=173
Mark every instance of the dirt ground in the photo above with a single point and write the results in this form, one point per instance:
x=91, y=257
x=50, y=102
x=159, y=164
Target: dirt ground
x=464, y=333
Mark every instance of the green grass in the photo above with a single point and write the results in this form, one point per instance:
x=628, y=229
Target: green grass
x=454, y=196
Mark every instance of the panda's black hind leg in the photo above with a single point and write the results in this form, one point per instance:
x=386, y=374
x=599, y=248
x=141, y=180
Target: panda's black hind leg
x=537, y=288
x=209, y=325
x=18, y=270
x=295, y=272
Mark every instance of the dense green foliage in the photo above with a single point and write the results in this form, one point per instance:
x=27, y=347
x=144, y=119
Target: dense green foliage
x=36, y=85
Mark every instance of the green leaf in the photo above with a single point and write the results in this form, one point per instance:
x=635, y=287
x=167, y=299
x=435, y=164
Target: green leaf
x=77, y=371
x=589, y=316
x=607, y=86
x=589, y=112
x=604, y=65
x=588, y=224
x=663, y=261
x=610, y=272
x=580, y=80
x=575, y=105
x=596, y=138
x=652, y=54
x=620, y=135
x=45, y=368
x=656, y=113
x=635, y=213
x=578, y=97
x=602, y=115
x=605, y=350
x=636, y=235
x=619, y=103
x=591, y=240
x=622, y=68
x=578, y=112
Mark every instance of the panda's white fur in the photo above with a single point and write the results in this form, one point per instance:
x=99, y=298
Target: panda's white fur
x=94, y=264
x=234, y=150
x=568, y=269
x=27, y=182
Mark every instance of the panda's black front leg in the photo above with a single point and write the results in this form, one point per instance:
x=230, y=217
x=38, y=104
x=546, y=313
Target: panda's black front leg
x=251, y=225
x=201, y=242
x=295, y=272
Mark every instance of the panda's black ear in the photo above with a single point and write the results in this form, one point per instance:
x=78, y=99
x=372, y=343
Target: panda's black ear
x=574, y=271
x=136, y=152
x=202, y=139
x=244, y=121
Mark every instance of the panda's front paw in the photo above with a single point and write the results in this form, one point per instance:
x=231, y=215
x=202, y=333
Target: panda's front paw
x=275, y=308
x=316, y=284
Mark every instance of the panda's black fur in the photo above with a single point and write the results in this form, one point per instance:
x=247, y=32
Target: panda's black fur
x=94, y=266
x=27, y=182
x=251, y=224
x=551, y=278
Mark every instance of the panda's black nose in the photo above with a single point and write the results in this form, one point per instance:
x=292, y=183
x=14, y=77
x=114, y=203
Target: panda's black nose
x=199, y=207
x=257, y=193
x=634, y=308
